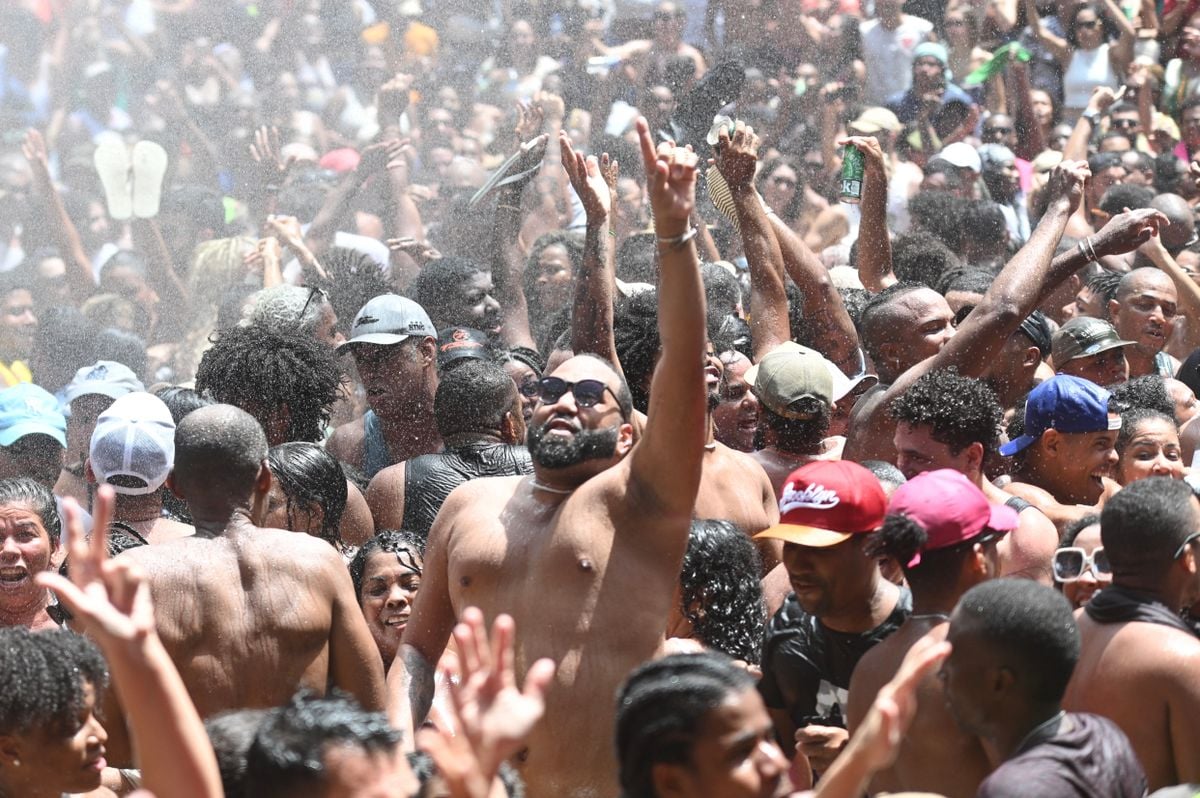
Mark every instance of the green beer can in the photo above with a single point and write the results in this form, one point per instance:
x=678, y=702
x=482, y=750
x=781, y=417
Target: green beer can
x=853, y=165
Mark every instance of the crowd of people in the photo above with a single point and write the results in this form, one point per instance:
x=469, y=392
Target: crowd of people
x=534, y=397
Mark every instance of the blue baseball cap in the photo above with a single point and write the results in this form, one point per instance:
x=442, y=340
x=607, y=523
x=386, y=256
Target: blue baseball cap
x=29, y=409
x=1067, y=404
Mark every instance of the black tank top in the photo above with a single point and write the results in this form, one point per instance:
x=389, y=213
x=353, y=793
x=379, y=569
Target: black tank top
x=429, y=478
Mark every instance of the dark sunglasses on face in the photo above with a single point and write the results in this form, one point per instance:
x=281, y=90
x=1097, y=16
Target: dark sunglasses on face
x=588, y=393
x=998, y=131
x=1125, y=123
x=1071, y=562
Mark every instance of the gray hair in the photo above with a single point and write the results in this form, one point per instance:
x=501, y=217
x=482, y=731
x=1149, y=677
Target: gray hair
x=288, y=307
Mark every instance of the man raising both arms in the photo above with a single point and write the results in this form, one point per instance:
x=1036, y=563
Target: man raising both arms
x=247, y=614
x=585, y=554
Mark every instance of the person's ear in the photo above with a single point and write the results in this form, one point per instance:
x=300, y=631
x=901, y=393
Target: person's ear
x=670, y=780
x=262, y=489
x=11, y=752
x=1052, y=440
x=1114, y=311
x=512, y=428
x=975, y=455
x=889, y=353
x=624, y=438
x=428, y=351
x=173, y=486
x=89, y=476
x=1033, y=356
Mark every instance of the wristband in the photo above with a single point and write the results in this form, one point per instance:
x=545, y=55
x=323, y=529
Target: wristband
x=678, y=241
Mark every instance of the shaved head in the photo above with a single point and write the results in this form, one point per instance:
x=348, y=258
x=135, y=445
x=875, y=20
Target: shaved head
x=218, y=449
x=1139, y=280
x=1179, y=214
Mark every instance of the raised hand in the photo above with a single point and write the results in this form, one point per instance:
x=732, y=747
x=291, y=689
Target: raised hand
x=873, y=160
x=529, y=121
x=286, y=229
x=737, y=156
x=392, y=98
x=34, y=150
x=398, y=152
x=493, y=715
x=1127, y=231
x=109, y=599
x=419, y=251
x=1102, y=98
x=611, y=170
x=1066, y=183
x=587, y=179
x=374, y=158
x=671, y=180
x=265, y=152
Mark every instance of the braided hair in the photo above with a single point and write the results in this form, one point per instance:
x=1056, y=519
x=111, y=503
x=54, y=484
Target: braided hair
x=661, y=708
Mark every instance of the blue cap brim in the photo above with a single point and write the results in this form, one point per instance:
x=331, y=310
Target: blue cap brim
x=1014, y=446
x=17, y=431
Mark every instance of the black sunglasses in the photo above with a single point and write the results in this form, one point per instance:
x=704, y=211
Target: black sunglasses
x=998, y=131
x=1129, y=123
x=588, y=393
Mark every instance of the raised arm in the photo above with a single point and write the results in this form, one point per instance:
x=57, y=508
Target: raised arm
x=1059, y=48
x=736, y=158
x=595, y=285
x=665, y=465
x=508, y=262
x=70, y=246
x=874, y=246
x=1120, y=52
x=1185, y=287
x=110, y=600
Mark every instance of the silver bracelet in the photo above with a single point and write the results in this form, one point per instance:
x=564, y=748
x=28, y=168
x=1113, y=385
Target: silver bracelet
x=1087, y=250
x=678, y=241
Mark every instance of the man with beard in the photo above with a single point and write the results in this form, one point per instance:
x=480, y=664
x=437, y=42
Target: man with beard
x=584, y=554
x=1144, y=312
x=1064, y=459
x=394, y=346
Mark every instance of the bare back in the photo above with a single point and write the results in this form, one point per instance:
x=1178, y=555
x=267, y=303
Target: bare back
x=589, y=582
x=246, y=619
x=1145, y=678
x=734, y=487
x=936, y=756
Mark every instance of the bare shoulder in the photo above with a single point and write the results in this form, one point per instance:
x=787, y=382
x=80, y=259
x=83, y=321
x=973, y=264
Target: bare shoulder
x=346, y=442
x=387, y=479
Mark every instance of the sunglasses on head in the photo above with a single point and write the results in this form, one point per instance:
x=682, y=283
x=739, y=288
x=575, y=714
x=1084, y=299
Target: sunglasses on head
x=1071, y=562
x=1192, y=538
x=588, y=393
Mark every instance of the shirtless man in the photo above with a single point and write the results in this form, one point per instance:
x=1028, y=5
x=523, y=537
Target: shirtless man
x=133, y=449
x=732, y=486
x=247, y=614
x=1065, y=459
x=585, y=554
x=981, y=338
x=1144, y=312
x=1139, y=664
x=959, y=528
x=394, y=346
x=949, y=421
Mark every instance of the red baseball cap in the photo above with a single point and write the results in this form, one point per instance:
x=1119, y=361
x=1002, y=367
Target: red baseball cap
x=826, y=503
x=950, y=508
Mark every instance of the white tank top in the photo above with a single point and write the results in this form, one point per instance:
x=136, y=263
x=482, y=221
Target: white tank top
x=1087, y=70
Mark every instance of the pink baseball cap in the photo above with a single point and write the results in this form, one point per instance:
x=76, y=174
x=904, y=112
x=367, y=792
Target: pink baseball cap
x=949, y=508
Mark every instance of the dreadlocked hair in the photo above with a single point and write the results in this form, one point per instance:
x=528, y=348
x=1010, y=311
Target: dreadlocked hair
x=720, y=591
x=44, y=675
x=635, y=328
x=661, y=708
x=352, y=280
x=261, y=369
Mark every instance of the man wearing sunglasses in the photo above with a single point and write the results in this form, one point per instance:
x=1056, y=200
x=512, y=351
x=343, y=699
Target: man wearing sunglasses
x=944, y=532
x=1139, y=663
x=585, y=553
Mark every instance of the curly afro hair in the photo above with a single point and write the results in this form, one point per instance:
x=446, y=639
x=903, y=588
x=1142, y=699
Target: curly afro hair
x=959, y=410
x=261, y=369
x=44, y=676
x=720, y=591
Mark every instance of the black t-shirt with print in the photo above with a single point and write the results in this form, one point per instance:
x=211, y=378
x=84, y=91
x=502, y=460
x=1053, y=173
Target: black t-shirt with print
x=806, y=666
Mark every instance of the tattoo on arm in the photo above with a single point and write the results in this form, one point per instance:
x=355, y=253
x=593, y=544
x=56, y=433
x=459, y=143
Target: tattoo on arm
x=418, y=672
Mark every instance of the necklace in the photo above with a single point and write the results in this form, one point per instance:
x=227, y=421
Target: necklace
x=560, y=491
x=1040, y=733
x=930, y=616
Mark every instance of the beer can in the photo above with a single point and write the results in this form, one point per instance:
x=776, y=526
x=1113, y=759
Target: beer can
x=853, y=166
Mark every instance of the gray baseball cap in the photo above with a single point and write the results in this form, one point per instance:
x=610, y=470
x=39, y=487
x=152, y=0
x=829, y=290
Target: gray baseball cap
x=389, y=319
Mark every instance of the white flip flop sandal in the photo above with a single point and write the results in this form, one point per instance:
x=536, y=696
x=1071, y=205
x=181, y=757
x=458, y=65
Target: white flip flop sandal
x=112, y=164
x=149, y=166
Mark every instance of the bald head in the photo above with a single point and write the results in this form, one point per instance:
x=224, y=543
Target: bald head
x=1141, y=280
x=1182, y=220
x=219, y=449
